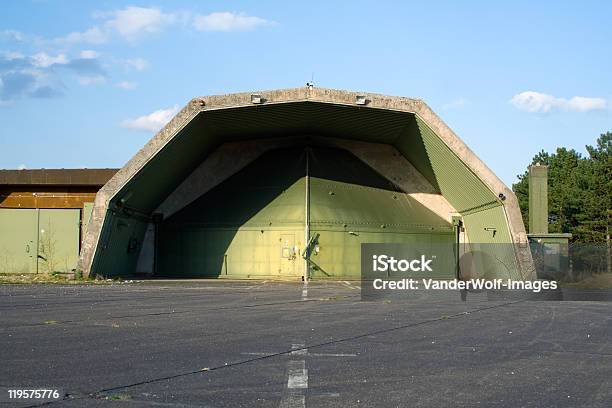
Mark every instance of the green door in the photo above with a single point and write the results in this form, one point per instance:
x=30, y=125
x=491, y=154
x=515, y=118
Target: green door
x=58, y=240
x=288, y=254
x=18, y=240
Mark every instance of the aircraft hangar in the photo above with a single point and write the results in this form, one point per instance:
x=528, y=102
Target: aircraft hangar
x=288, y=184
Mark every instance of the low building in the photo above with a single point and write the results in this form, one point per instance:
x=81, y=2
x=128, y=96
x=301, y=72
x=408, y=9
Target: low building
x=43, y=216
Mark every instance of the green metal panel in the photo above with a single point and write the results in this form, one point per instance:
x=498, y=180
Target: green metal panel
x=87, y=210
x=490, y=240
x=39, y=241
x=224, y=253
x=240, y=228
x=339, y=203
x=345, y=190
x=18, y=240
x=339, y=255
x=352, y=204
x=483, y=214
x=487, y=226
x=462, y=188
x=120, y=244
x=58, y=240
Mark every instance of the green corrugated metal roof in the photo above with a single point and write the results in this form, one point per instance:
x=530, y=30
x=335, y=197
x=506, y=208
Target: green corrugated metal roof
x=462, y=188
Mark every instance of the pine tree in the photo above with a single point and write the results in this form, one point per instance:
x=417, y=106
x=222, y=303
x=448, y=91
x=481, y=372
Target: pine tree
x=580, y=191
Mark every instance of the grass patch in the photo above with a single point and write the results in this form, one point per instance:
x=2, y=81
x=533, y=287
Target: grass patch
x=55, y=278
x=51, y=322
x=119, y=397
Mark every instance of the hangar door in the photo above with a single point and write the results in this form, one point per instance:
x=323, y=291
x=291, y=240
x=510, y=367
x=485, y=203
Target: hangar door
x=38, y=240
x=259, y=222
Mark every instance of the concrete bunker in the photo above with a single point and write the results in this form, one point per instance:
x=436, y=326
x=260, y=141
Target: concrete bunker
x=240, y=186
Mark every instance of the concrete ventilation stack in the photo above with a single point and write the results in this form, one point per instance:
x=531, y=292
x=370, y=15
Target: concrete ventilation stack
x=538, y=199
x=550, y=250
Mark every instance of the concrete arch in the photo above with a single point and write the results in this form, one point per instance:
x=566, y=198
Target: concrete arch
x=446, y=167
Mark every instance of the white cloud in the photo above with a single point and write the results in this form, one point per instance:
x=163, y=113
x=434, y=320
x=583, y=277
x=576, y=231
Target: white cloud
x=151, y=122
x=43, y=60
x=10, y=56
x=91, y=80
x=30, y=77
x=130, y=23
x=127, y=85
x=89, y=54
x=226, y=21
x=94, y=35
x=536, y=102
x=133, y=22
x=583, y=104
x=138, y=64
x=22, y=167
x=12, y=35
x=40, y=75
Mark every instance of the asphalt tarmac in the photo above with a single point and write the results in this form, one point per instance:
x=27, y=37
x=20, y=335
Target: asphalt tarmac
x=267, y=344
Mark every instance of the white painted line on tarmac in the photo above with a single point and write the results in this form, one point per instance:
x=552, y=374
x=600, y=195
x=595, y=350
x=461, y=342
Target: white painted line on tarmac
x=298, y=375
x=262, y=284
x=294, y=396
x=331, y=355
x=303, y=352
x=297, y=379
x=348, y=284
x=258, y=354
x=299, y=349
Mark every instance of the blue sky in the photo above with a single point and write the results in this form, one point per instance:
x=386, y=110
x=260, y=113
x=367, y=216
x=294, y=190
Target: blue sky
x=85, y=84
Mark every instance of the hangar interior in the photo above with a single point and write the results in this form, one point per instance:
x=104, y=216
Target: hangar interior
x=288, y=190
x=259, y=221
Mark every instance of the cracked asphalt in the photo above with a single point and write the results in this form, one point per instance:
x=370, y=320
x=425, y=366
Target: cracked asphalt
x=270, y=344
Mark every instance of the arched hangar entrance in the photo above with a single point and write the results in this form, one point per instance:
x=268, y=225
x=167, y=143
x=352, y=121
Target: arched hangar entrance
x=244, y=185
x=259, y=222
